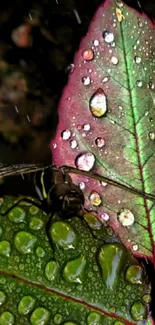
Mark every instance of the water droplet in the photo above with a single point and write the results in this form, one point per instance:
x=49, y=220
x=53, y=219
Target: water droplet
x=74, y=270
x=126, y=217
x=82, y=185
x=40, y=316
x=152, y=135
x=147, y=299
x=96, y=42
x=114, y=60
x=63, y=235
x=104, y=216
x=36, y=223
x=108, y=36
x=98, y=103
x=105, y=79
x=70, y=323
x=58, y=318
x=2, y=298
x=104, y=184
x=26, y=305
x=88, y=55
x=40, y=251
x=66, y=134
x=151, y=85
x=85, y=161
x=86, y=80
x=51, y=270
x=17, y=215
x=95, y=198
x=100, y=142
x=134, y=274
x=7, y=318
x=138, y=311
x=111, y=258
x=70, y=68
x=24, y=242
x=5, y=248
x=92, y=221
x=137, y=59
x=33, y=210
x=73, y=144
x=139, y=83
x=135, y=247
x=117, y=322
x=86, y=127
x=95, y=319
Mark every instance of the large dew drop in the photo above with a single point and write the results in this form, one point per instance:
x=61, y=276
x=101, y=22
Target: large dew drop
x=126, y=218
x=108, y=36
x=26, y=305
x=85, y=161
x=74, y=270
x=40, y=316
x=63, y=235
x=88, y=55
x=98, y=103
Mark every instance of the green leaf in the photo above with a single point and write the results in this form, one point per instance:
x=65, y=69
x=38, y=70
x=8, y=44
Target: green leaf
x=79, y=273
x=106, y=122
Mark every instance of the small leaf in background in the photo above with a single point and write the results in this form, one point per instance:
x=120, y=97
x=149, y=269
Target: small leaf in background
x=74, y=277
x=106, y=122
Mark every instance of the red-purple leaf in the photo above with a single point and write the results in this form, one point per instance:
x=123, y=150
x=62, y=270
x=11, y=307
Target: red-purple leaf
x=106, y=122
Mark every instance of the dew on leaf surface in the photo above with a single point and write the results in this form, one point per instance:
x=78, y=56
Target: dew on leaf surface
x=63, y=235
x=2, y=298
x=104, y=217
x=105, y=79
x=114, y=60
x=100, y=142
x=108, y=36
x=51, y=270
x=74, y=270
x=137, y=59
x=58, y=318
x=5, y=248
x=98, y=103
x=86, y=80
x=88, y=55
x=95, y=198
x=26, y=305
x=86, y=127
x=147, y=298
x=66, y=134
x=7, y=318
x=152, y=135
x=139, y=83
x=126, y=218
x=85, y=161
x=40, y=251
x=96, y=42
x=94, y=318
x=134, y=274
x=135, y=247
x=111, y=258
x=82, y=185
x=151, y=85
x=17, y=215
x=138, y=311
x=24, y=242
x=40, y=316
x=70, y=68
x=73, y=144
x=36, y=223
x=92, y=221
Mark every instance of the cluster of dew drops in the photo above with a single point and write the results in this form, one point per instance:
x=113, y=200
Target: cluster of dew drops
x=98, y=107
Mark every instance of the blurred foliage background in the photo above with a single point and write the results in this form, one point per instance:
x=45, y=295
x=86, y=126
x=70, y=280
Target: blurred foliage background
x=38, y=40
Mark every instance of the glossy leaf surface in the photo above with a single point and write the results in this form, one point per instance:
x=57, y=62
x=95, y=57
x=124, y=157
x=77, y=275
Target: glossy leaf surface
x=69, y=276
x=106, y=122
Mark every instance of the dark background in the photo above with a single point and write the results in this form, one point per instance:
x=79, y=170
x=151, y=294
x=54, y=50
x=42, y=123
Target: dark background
x=32, y=77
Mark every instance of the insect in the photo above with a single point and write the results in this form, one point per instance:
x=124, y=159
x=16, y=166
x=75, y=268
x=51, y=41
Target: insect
x=56, y=191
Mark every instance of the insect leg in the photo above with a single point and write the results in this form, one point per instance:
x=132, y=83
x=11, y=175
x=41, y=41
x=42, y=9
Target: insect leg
x=21, y=200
